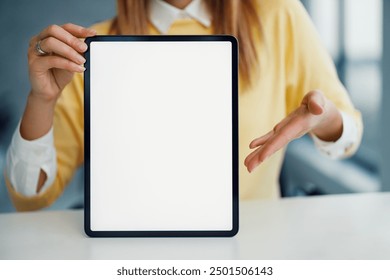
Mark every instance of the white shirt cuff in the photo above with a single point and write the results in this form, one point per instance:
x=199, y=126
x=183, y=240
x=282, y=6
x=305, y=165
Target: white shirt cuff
x=25, y=159
x=339, y=148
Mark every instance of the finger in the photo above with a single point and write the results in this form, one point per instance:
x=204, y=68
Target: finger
x=79, y=31
x=264, y=144
x=294, y=129
x=53, y=45
x=53, y=61
x=279, y=140
x=72, y=29
x=258, y=156
x=250, y=157
x=254, y=159
x=33, y=41
x=261, y=140
x=64, y=36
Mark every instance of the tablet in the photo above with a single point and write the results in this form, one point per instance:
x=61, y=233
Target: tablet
x=161, y=136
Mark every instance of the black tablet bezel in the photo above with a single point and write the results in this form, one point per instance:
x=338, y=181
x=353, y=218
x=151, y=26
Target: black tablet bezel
x=87, y=139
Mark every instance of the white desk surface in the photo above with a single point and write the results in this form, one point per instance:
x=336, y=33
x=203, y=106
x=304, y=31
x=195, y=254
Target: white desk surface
x=328, y=227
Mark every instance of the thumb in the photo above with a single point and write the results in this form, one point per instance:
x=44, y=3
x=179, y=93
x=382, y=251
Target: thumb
x=315, y=102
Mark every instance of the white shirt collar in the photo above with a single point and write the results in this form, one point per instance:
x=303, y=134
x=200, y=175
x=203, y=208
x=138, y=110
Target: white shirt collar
x=162, y=14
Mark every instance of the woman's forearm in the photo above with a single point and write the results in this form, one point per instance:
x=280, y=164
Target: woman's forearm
x=36, y=122
x=37, y=118
x=54, y=55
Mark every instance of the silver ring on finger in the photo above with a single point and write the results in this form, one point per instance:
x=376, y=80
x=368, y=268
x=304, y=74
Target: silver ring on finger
x=39, y=49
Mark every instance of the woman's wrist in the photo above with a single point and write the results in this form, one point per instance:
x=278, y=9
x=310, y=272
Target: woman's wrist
x=331, y=128
x=43, y=99
x=38, y=117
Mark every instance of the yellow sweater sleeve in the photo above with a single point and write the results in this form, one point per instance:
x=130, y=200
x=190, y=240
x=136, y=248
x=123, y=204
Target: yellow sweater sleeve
x=309, y=66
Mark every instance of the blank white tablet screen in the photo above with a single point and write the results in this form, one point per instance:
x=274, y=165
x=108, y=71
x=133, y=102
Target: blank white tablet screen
x=161, y=136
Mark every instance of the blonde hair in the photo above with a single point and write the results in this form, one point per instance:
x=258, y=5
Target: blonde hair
x=236, y=17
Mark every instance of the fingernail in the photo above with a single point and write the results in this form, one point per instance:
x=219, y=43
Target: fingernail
x=92, y=31
x=81, y=68
x=83, y=47
x=81, y=59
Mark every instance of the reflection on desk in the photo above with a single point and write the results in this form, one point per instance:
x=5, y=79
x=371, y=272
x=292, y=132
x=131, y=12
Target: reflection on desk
x=328, y=227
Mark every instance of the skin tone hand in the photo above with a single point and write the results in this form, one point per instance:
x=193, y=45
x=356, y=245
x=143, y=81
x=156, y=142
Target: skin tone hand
x=49, y=74
x=316, y=115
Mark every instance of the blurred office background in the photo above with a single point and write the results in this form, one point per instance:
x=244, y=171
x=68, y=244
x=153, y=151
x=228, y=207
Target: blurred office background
x=354, y=31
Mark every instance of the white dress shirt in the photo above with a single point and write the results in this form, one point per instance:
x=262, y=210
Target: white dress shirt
x=25, y=159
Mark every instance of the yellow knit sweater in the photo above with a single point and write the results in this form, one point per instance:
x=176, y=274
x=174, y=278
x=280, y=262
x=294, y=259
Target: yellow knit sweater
x=293, y=62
